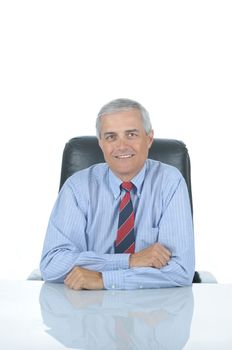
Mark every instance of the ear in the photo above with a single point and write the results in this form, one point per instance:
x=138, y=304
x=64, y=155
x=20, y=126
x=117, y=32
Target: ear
x=150, y=137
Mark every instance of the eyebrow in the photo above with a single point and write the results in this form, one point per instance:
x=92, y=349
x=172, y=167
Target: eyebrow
x=109, y=132
x=126, y=131
x=132, y=130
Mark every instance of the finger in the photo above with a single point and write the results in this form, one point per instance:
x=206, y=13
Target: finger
x=163, y=258
x=157, y=264
x=68, y=278
x=166, y=257
x=162, y=261
x=73, y=278
x=68, y=281
x=164, y=252
x=72, y=273
x=74, y=283
x=160, y=253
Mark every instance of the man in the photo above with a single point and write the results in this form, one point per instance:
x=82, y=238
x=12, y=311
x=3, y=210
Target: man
x=123, y=224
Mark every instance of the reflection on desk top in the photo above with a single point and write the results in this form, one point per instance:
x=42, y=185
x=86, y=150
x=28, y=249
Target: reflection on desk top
x=37, y=315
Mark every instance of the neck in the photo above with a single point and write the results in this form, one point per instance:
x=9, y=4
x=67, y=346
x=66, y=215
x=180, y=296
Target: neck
x=126, y=177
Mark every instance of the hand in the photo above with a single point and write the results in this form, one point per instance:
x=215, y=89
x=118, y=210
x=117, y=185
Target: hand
x=80, y=278
x=154, y=256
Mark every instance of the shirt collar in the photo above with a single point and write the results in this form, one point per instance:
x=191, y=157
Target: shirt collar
x=115, y=182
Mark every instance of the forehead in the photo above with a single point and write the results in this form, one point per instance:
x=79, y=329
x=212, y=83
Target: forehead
x=130, y=119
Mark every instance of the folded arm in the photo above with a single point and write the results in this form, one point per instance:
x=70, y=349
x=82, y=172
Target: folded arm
x=65, y=243
x=176, y=235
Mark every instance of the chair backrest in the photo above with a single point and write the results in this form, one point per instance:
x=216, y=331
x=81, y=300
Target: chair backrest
x=82, y=152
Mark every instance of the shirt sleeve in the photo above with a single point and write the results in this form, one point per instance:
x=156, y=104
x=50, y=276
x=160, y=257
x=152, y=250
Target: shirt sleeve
x=65, y=243
x=175, y=233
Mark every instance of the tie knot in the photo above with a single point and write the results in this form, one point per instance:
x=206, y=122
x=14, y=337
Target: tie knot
x=127, y=186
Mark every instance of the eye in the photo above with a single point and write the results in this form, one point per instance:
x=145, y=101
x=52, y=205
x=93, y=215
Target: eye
x=110, y=137
x=132, y=135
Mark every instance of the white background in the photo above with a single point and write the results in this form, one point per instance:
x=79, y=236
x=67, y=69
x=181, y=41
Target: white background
x=61, y=61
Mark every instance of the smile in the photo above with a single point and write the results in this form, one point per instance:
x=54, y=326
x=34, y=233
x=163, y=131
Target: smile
x=124, y=156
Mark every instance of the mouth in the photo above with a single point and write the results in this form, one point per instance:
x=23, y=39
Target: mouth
x=124, y=156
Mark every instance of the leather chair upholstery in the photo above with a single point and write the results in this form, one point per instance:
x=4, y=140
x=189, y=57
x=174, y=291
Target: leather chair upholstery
x=82, y=152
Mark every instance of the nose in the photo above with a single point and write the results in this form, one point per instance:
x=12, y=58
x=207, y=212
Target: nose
x=121, y=143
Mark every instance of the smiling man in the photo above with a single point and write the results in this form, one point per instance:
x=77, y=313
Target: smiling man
x=123, y=224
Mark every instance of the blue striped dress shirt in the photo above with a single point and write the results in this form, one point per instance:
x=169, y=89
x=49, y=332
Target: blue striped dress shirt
x=83, y=226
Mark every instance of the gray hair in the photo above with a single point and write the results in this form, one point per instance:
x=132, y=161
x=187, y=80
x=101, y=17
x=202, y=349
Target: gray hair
x=123, y=104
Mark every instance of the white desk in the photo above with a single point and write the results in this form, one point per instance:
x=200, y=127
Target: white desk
x=36, y=315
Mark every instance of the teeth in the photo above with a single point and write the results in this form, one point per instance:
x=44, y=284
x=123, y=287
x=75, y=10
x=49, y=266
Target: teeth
x=125, y=156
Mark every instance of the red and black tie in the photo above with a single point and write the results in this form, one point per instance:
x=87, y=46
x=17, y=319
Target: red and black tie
x=125, y=241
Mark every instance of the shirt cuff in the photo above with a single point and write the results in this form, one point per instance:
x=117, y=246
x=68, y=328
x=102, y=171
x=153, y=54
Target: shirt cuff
x=113, y=279
x=119, y=261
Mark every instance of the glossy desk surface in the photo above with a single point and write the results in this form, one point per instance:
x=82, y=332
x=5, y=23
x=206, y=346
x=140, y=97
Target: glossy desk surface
x=36, y=315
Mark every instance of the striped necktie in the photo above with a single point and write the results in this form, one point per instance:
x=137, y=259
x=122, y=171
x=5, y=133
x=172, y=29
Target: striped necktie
x=125, y=241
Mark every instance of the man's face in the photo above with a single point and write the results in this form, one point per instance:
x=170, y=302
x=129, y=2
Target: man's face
x=124, y=143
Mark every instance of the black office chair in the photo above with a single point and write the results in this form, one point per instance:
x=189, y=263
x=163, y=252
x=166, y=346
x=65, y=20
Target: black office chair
x=82, y=152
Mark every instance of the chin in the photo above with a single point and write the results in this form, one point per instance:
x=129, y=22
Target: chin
x=124, y=173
